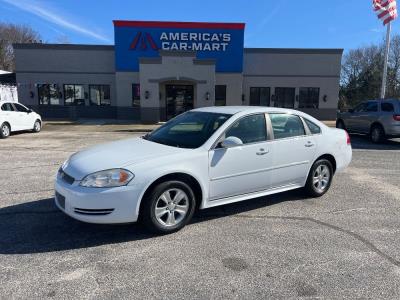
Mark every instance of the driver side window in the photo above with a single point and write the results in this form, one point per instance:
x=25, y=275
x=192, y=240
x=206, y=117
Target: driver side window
x=249, y=129
x=361, y=107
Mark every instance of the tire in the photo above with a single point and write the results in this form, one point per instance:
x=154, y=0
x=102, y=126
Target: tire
x=5, y=131
x=37, y=126
x=320, y=178
x=340, y=124
x=160, y=215
x=377, y=134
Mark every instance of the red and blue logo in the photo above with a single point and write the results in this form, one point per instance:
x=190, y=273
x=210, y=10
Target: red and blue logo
x=143, y=41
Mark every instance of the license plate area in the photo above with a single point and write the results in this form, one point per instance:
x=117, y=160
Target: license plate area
x=60, y=200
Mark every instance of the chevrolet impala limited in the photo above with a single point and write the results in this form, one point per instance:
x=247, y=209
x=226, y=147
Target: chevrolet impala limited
x=202, y=158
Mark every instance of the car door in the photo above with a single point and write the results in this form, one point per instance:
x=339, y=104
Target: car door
x=24, y=116
x=367, y=117
x=11, y=115
x=242, y=169
x=292, y=150
x=354, y=120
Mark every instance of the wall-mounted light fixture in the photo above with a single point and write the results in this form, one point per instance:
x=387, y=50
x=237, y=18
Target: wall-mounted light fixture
x=208, y=96
x=325, y=98
x=243, y=98
x=146, y=94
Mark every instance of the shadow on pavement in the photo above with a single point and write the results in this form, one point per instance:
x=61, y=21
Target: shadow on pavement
x=364, y=143
x=38, y=226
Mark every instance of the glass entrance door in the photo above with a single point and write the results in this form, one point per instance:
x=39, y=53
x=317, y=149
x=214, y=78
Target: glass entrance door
x=179, y=99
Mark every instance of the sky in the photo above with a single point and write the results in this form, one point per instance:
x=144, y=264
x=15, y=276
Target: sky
x=269, y=23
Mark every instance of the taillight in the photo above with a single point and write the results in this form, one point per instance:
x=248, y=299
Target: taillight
x=396, y=117
x=348, y=138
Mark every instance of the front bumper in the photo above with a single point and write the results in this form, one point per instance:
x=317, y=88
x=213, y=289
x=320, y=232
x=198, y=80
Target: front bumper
x=98, y=205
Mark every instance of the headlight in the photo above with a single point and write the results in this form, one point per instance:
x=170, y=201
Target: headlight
x=107, y=178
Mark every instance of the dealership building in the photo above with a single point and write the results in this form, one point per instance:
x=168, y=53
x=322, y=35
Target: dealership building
x=157, y=70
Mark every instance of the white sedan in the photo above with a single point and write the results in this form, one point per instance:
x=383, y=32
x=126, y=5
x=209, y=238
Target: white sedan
x=203, y=158
x=17, y=117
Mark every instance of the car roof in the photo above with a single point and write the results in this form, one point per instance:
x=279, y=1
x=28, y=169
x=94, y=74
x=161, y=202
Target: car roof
x=245, y=109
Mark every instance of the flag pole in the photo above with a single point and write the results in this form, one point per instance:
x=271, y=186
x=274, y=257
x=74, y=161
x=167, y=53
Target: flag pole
x=385, y=63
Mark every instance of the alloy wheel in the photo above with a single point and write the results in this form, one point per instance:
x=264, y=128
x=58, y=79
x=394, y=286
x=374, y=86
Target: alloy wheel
x=321, y=178
x=171, y=207
x=37, y=126
x=376, y=134
x=5, y=130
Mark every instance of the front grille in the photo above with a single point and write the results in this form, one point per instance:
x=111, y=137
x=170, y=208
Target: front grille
x=93, y=212
x=65, y=177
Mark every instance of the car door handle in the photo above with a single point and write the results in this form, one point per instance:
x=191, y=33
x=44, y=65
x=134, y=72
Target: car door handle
x=309, y=144
x=262, y=151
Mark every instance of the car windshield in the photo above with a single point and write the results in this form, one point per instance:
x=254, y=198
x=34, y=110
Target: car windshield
x=189, y=130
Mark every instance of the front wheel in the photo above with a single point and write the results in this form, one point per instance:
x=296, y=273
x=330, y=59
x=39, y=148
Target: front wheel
x=320, y=178
x=168, y=207
x=37, y=126
x=5, y=131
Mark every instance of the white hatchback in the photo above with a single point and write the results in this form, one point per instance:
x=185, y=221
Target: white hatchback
x=203, y=158
x=17, y=117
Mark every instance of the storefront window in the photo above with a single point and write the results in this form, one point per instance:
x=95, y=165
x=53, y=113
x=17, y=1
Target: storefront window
x=48, y=94
x=284, y=97
x=309, y=97
x=74, y=94
x=100, y=95
x=136, y=95
x=220, y=95
x=260, y=96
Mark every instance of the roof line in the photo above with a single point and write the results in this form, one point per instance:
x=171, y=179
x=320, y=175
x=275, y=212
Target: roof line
x=171, y=24
x=295, y=50
x=63, y=46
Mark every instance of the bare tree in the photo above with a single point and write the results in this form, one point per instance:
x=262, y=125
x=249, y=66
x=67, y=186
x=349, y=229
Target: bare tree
x=10, y=34
x=361, y=74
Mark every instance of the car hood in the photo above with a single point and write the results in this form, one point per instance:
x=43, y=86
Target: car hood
x=118, y=154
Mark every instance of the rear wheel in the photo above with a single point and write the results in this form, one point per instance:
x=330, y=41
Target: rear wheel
x=168, y=207
x=377, y=134
x=37, y=126
x=5, y=131
x=340, y=124
x=320, y=178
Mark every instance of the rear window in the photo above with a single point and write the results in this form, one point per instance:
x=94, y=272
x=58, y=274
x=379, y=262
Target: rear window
x=314, y=128
x=387, y=107
x=286, y=125
x=372, y=107
x=7, y=107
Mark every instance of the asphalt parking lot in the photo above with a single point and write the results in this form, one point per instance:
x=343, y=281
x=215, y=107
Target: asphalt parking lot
x=343, y=245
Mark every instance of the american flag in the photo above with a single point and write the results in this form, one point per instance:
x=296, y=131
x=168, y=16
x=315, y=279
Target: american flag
x=386, y=10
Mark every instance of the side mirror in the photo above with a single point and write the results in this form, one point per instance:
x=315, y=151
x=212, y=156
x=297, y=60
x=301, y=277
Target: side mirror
x=29, y=111
x=351, y=110
x=231, y=141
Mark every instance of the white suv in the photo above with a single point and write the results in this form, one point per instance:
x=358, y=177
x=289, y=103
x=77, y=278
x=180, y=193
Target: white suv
x=17, y=117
